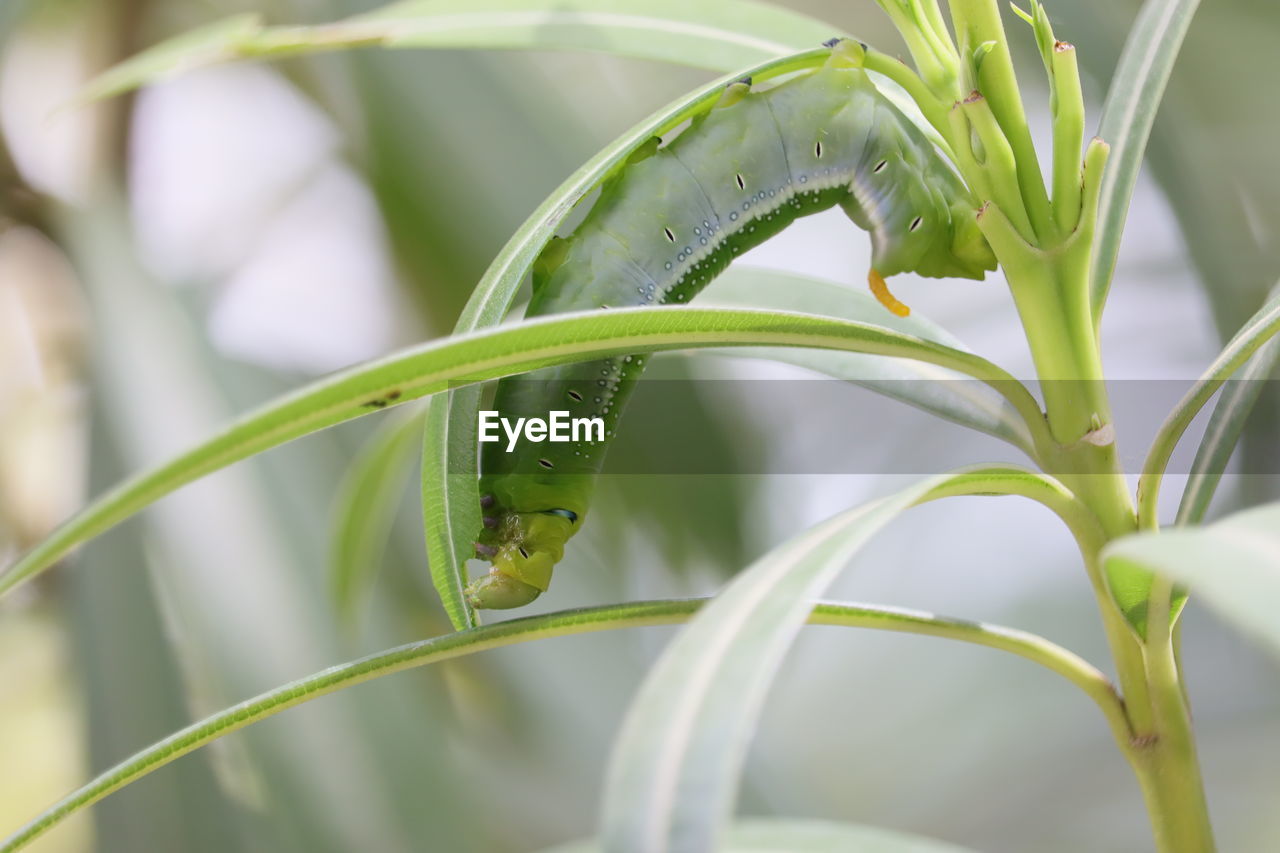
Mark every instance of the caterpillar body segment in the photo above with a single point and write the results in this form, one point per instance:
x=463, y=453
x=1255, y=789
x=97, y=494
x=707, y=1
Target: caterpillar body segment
x=674, y=219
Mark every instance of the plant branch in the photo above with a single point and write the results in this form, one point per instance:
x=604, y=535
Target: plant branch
x=984, y=46
x=1068, y=135
x=930, y=107
x=998, y=161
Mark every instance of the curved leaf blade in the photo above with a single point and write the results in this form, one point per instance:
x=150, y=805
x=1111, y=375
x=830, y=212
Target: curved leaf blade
x=450, y=465
x=365, y=508
x=1261, y=327
x=940, y=392
x=1232, y=565
x=1223, y=432
x=562, y=623
x=720, y=35
x=212, y=43
x=1136, y=91
x=673, y=773
x=1130, y=586
x=435, y=367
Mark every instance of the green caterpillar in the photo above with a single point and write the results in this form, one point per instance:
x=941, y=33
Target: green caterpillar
x=669, y=223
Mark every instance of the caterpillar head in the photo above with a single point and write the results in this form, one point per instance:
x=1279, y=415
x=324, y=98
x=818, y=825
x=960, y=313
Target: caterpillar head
x=943, y=236
x=524, y=548
x=523, y=544
x=970, y=251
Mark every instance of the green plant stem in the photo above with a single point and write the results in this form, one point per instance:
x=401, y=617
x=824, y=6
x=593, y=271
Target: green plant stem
x=1051, y=290
x=933, y=53
x=931, y=15
x=930, y=107
x=1167, y=767
x=977, y=23
x=564, y=623
x=998, y=161
x=1068, y=135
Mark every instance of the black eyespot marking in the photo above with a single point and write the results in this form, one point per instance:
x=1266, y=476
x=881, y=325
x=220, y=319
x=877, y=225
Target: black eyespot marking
x=546, y=463
x=523, y=552
x=817, y=149
x=915, y=223
x=670, y=236
x=880, y=166
x=745, y=81
x=742, y=185
x=832, y=42
x=563, y=513
x=575, y=395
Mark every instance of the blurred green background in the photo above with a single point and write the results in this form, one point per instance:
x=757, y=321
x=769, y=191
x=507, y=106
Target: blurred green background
x=170, y=259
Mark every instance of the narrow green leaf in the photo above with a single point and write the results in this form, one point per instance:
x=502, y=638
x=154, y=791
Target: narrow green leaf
x=1251, y=337
x=1223, y=432
x=365, y=508
x=1233, y=565
x=435, y=367
x=720, y=35
x=773, y=835
x=673, y=774
x=940, y=392
x=212, y=43
x=563, y=623
x=450, y=495
x=1131, y=586
x=1136, y=91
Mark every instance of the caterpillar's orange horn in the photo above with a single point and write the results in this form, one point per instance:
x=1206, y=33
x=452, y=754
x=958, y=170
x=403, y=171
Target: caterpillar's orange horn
x=881, y=292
